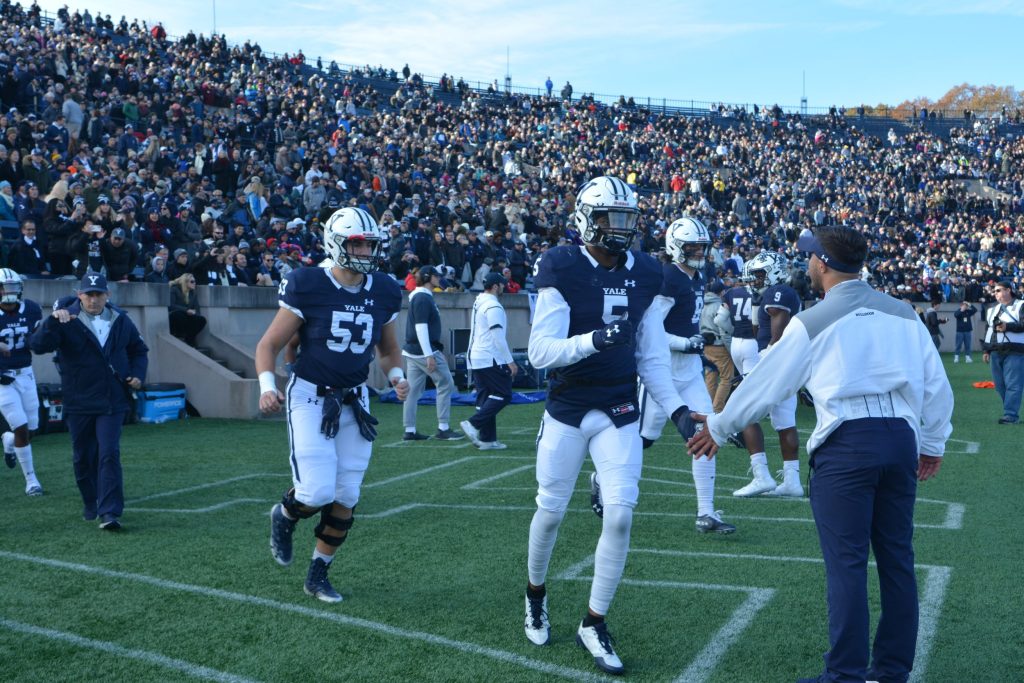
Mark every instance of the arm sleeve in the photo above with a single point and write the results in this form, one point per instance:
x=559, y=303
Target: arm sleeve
x=423, y=337
x=550, y=345
x=767, y=384
x=938, y=402
x=496, y=322
x=723, y=319
x=653, y=360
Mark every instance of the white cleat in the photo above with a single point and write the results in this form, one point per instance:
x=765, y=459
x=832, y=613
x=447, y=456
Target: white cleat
x=538, y=628
x=789, y=488
x=756, y=487
x=472, y=433
x=491, y=446
x=598, y=642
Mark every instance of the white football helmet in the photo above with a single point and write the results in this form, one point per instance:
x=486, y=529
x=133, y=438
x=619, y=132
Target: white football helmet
x=11, y=287
x=353, y=225
x=766, y=269
x=606, y=214
x=688, y=242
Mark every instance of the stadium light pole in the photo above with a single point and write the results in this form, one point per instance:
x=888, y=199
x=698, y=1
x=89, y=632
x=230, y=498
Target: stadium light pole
x=214, y=17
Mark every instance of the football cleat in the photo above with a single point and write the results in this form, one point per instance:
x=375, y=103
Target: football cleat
x=472, y=433
x=414, y=436
x=595, y=496
x=447, y=435
x=10, y=459
x=110, y=523
x=281, y=529
x=737, y=440
x=317, y=584
x=492, y=446
x=34, y=490
x=790, y=486
x=755, y=488
x=713, y=524
x=538, y=628
x=598, y=642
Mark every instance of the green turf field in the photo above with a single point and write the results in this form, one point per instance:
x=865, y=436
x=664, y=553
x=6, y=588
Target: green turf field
x=434, y=571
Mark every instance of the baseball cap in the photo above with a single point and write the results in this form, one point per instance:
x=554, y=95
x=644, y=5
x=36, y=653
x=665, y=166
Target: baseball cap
x=295, y=223
x=93, y=282
x=117, y=232
x=430, y=271
x=494, y=279
x=243, y=245
x=808, y=242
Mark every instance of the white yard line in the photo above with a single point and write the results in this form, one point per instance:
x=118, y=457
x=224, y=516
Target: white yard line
x=321, y=614
x=208, y=508
x=194, y=670
x=508, y=473
x=200, y=487
x=418, y=473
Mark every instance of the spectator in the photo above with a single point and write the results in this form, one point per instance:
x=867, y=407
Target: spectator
x=964, y=331
x=512, y=287
x=60, y=223
x=183, y=313
x=717, y=332
x=25, y=256
x=158, y=271
x=120, y=255
x=934, y=323
x=179, y=266
x=102, y=358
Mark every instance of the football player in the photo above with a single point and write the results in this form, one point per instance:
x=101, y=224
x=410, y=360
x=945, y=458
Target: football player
x=341, y=314
x=687, y=243
x=596, y=326
x=19, y=400
x=767, y=272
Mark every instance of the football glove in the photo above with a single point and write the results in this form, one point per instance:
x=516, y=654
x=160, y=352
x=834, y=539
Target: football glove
x=618, y=333
x=686, y=425
x=696, y=344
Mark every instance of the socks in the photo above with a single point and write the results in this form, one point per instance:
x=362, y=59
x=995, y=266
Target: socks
x=317, y=555
x=791, y=465
x=24, y=454
x=442, y=426
x=704, y=481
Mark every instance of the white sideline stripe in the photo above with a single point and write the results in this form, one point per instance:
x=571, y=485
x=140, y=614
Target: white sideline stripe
x=688, y=470
x=388, y=513
x=929, y=610
x=417, y=473
x=479, y=483
x=707, y=660
x=209, y=508
x=386, y=629
x=113, y=648
x=200, y=487
x=936, y=582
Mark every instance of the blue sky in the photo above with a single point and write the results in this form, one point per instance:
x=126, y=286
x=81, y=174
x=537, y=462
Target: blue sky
x=852, y=51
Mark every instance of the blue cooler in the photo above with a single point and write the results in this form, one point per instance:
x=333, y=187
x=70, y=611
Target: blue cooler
x=161, y=402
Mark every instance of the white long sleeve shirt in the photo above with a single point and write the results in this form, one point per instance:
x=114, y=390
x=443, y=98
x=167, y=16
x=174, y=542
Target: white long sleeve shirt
x=860, y=354
x=487, y=343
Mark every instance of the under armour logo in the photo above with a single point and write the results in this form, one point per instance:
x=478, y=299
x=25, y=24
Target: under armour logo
x=630, y=283
x=611, y=331
x=314, y=401
x=368, y=302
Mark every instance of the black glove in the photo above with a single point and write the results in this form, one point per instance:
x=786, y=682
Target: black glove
x=686, y=425
x=331, y=415
x=618, y=333
x=696, y=344
x=364, y=420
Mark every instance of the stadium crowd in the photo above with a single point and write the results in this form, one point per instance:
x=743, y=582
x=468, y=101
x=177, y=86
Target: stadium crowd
x=154, y=159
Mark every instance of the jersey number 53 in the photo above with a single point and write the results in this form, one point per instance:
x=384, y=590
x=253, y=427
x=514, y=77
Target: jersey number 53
x=341, y=330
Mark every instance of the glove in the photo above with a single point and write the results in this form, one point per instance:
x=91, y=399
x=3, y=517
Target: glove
x=331, y=415
x=618, y=333
x=364, y=421
x=696, y=344
x=686, y=425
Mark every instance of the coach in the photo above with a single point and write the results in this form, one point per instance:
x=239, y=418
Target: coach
x=102, y=357
x=873, y=370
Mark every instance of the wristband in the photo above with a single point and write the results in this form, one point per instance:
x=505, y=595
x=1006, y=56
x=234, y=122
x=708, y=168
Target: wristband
x=267, y=382
x=396, y=373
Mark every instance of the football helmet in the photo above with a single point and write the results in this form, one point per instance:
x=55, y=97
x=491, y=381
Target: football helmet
x=606, y=214
x=688, y=242
x=11, y=288
x=351, y=225
x=766, y=269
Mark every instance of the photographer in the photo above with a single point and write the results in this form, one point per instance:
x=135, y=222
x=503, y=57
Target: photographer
x=60, y=223
x=1004, y=348
x=934, y=322
x=209, y=269
x=102, y=359
x=85, y=248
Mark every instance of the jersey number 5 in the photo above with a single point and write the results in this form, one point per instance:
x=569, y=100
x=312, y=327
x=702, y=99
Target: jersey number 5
x=343, y=334
x=615, y=307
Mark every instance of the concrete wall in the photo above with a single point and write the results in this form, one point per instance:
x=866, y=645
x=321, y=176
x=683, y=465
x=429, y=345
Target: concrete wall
x=238, y=316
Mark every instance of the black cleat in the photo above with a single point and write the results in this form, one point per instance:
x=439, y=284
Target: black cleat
x=414, y=436
x=448, y=435
x=737, y=440
x=281, y=529
x=110, y=523
x=317, y=584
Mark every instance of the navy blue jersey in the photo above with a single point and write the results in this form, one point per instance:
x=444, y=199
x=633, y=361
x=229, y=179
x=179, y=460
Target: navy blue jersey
x=15, y=328
x=776, y=296
x=740, y=302
x=597, y=296
x=340, y=327
x=683, y=320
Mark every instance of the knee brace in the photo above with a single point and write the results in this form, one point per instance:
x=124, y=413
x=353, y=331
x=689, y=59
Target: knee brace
x=296, y=509
x=327, y=520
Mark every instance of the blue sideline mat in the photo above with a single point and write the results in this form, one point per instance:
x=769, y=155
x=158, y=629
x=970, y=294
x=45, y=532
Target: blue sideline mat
x=429, y=398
